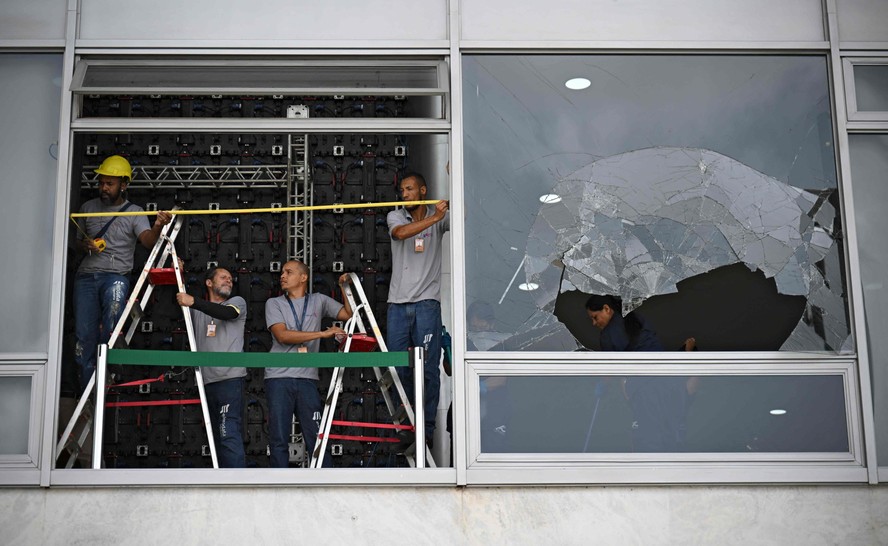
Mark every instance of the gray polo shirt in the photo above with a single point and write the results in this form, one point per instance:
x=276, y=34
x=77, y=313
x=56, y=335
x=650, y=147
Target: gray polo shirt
x=229, y=338
x=120, y=239
x=277, y=311
x=416, y=276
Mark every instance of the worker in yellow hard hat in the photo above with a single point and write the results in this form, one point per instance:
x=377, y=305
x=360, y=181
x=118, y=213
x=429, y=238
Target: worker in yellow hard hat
x=102, y=282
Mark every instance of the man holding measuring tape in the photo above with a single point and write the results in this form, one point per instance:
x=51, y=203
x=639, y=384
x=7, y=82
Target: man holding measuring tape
x=414, y=311
x=102, y=283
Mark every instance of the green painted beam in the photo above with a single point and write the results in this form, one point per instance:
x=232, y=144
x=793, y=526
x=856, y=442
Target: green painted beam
x=135, y=357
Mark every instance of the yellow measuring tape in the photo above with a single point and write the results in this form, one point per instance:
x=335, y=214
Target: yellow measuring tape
x=249, y=211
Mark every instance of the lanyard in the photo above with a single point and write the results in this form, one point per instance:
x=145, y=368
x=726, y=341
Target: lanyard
x=293, y=309
x=111, y=221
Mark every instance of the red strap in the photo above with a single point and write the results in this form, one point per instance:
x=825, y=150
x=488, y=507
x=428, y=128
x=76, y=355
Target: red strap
x=360, y=438
x=152, y=403
x=373, y=425
x=137, y=383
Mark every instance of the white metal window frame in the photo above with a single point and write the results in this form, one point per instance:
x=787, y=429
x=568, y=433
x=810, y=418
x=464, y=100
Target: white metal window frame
x=240, y=476
x=456, y=48
x=84, y=64
x=622, y=468
x=870, y=128
x=32, y=366
x=472, y=470
x=848, y=66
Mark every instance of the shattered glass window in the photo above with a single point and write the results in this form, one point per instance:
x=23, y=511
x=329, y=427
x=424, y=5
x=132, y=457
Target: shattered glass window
x=700, y=190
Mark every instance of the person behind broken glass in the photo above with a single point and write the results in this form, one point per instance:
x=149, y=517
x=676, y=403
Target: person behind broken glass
x=659, y=404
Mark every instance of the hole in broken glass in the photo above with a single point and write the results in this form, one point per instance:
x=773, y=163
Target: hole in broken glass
x=639, y=223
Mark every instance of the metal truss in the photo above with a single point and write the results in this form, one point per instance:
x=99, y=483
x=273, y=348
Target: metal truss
x=200, y=176
x=299, y=194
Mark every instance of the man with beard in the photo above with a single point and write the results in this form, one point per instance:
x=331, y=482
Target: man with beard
x=219, y=327
x=294, y=320
x=102, y=283
x=414, y=312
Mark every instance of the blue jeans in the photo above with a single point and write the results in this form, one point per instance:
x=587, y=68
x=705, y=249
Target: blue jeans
x=225, y=401
x=419, y=325
x=99, y=300
x=288, y=396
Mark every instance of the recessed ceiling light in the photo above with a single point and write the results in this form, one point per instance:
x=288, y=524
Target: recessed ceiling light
x=577, y=83
x=528, y=286
x=550, y=198
x=778, y=412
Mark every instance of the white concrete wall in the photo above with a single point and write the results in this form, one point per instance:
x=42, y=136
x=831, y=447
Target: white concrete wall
x=620, y=516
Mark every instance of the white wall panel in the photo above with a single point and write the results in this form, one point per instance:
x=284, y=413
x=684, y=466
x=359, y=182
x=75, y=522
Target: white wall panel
x=862, y=20
x=264, y=22
x=545, y=515
x=642, y=20
x=32, y=20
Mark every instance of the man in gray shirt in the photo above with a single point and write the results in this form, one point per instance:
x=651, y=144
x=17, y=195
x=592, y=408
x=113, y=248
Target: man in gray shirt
x=294, y=320
x=414, y=312
x=219, y=327
x=102, y=283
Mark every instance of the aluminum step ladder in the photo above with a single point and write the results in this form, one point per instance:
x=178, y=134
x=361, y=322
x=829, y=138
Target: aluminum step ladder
x=163, y=249
x=386, y=379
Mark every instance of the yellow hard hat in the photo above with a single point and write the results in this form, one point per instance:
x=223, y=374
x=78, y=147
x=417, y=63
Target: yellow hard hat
x=115, y=165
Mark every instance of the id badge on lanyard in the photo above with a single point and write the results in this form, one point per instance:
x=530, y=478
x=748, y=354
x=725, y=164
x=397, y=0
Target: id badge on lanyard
x=299, y=321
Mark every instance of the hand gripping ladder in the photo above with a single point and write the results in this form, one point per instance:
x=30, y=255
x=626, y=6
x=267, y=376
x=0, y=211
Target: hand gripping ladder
x=385, y=379
x=134, y=310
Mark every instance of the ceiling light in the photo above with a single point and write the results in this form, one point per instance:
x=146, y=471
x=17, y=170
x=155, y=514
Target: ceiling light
x=528, y=286
x=550, y=198
x=778, y=412
x=577, y=83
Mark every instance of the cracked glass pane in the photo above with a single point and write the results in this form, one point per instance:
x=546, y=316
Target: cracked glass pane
x=666, y=172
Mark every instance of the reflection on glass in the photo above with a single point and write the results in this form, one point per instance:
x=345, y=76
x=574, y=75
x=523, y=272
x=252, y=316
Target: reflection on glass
x=15, y=407
x=869, y=163
x=871, y=87
x=663, y=414
x=31, y=91
x=667, y=169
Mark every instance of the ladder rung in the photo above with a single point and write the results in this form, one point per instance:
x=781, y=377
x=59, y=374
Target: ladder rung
x=400, y=414
x=136, y=312
x=386, y=380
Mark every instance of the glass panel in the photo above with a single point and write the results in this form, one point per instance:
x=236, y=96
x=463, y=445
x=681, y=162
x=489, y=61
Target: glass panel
x=249, y=76
x=871, y=87
x=30, y=86
x=869, y=163
x=701, y=190
x=15, y=407
x=665, y=414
